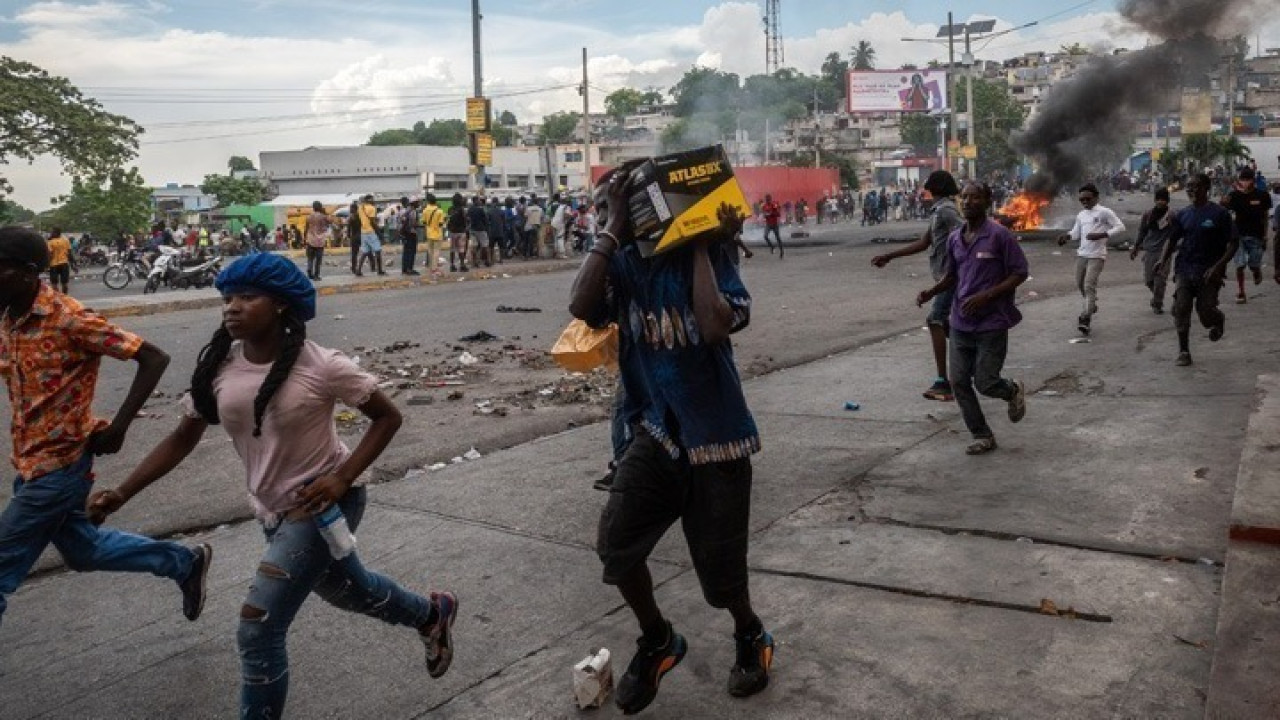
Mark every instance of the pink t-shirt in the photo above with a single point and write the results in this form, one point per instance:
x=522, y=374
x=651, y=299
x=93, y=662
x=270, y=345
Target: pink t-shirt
x=299, y=439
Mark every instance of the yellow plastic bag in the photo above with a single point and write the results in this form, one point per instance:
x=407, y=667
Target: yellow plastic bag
x=582, y=348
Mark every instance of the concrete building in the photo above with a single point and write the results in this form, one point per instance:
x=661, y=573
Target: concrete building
x=393, y=171
x=180, y=203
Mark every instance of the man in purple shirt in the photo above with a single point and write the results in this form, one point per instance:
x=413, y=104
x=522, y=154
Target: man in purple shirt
x=985, y=266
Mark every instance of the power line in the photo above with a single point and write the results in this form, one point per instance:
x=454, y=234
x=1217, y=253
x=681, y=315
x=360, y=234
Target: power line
x=347, y=118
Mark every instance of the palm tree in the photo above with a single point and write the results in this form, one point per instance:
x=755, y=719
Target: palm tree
x=1230, y=149
x=863, y=56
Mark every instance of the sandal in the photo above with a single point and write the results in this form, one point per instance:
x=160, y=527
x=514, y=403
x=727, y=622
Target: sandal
x=981, y=446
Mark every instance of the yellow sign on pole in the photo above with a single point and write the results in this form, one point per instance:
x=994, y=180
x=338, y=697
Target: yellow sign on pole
x=969, y=152
x=484, y=149
x=477, y=115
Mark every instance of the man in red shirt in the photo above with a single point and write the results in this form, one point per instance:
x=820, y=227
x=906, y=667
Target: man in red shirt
x=772, y=216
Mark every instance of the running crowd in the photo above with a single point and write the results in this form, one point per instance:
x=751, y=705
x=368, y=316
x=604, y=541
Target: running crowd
x=683, y=439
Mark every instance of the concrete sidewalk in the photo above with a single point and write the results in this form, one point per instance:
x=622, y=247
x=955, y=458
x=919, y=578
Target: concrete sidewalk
x=1075, y=573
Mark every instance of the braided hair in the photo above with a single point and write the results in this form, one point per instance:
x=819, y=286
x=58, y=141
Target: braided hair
x=293, y=336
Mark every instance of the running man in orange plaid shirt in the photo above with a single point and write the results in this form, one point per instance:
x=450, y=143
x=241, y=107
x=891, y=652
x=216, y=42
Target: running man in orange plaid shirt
x=50, y=350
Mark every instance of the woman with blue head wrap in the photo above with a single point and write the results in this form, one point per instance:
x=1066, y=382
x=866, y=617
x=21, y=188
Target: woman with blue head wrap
x=274, y=391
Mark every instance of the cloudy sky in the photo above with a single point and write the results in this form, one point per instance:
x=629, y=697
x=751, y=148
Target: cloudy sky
x=234, y=77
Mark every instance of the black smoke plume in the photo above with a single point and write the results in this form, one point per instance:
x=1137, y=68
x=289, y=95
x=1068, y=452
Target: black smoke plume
x=1087, y=119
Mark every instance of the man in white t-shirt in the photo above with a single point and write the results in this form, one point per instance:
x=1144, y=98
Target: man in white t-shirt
x=1094, y=226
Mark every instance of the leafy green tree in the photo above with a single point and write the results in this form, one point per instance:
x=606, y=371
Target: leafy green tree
x=240, y=163
x=121, y=202
x=1207, y=149
x=920, y=131
x=11, y=213
x=834, y=71
x=863, y=56
x=507, y=118
x=233, y=191
x=441, y=132
x=504, y=135
x=560, y=127
x=393, y=136
x=42, y=114
x=703, y=89
x=623, y=102
x=997, y=115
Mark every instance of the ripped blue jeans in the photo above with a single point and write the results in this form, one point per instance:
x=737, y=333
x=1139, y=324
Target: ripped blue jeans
x=296, y=563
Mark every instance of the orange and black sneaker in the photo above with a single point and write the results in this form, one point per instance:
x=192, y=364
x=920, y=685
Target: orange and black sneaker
x=750, y=674
x=639, y=684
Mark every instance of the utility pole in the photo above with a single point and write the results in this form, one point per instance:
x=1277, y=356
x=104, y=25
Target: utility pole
x=1231, y=96
x=586, y=127
x=951, y=86
x=478, y=72
x=973, y=116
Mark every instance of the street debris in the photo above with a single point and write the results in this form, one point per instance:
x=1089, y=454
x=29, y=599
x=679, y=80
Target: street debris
x=1080, y=341
x=509, y=309
x=851, y=405
x=480, y=336
x=471, y=454
x=467, y=358
x=438, y=466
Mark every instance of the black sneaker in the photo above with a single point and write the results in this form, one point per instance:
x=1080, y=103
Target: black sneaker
x=438, y=637
x=750, y=674
x=941, y=391
x=638, y=686
x=1215, y=332
x=1184, y=359
x=606, y=483
x=1082, y=324
x=193, y=588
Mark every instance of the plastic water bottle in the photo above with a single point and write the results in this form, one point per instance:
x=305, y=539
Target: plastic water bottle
x=332, y=525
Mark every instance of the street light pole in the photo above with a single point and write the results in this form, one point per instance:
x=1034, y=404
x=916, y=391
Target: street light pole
x=970, y=165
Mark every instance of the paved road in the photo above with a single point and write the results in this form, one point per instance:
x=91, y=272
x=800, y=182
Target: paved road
x=824, y=298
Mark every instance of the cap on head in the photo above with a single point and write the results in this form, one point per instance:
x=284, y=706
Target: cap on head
x=273, y=275
x=25, y=247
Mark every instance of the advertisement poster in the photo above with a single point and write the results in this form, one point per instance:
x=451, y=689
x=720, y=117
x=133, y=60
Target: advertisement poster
x=881, y=91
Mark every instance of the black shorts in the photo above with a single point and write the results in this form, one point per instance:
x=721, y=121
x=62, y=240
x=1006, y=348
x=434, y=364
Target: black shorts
x=713, y=502
x=59, y=274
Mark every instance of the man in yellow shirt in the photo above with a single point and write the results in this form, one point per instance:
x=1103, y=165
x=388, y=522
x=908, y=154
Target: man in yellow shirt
x=59, y=261
x=433, y=223
x=370, y=245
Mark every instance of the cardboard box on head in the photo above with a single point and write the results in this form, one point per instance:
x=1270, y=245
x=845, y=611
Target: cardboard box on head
x=674, y=198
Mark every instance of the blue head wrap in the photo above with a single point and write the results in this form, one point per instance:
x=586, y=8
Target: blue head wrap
x=273, y=275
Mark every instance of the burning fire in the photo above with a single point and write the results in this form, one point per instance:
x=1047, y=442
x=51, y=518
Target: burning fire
x=1023, y=211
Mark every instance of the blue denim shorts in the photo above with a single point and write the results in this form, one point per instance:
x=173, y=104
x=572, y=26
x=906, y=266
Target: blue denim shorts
x=940, y=311
x=1250, y=252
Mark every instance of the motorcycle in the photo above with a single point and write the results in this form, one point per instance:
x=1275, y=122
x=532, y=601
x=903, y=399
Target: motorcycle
x=197, y=276
x=169, y=256
x=90, y=255
x=120, y=273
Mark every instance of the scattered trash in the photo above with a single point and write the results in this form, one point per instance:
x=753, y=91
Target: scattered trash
x=480, y=336
x=505, y=275
x=1206, y=561
x=339, y=317
x=356, y=359
x=1025, y=541
x=421, y=400
x=593, y=680
x=467, y=358
x=471, y=454
x=442, y=383
x=455, y=395
x=547, y=391
x=414, y=474
x=1049, y=393
x=1080, y=341
x=457, y=460
x=852, y=406
x=437, y=467
x=509, y=309
x=1033, y=294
